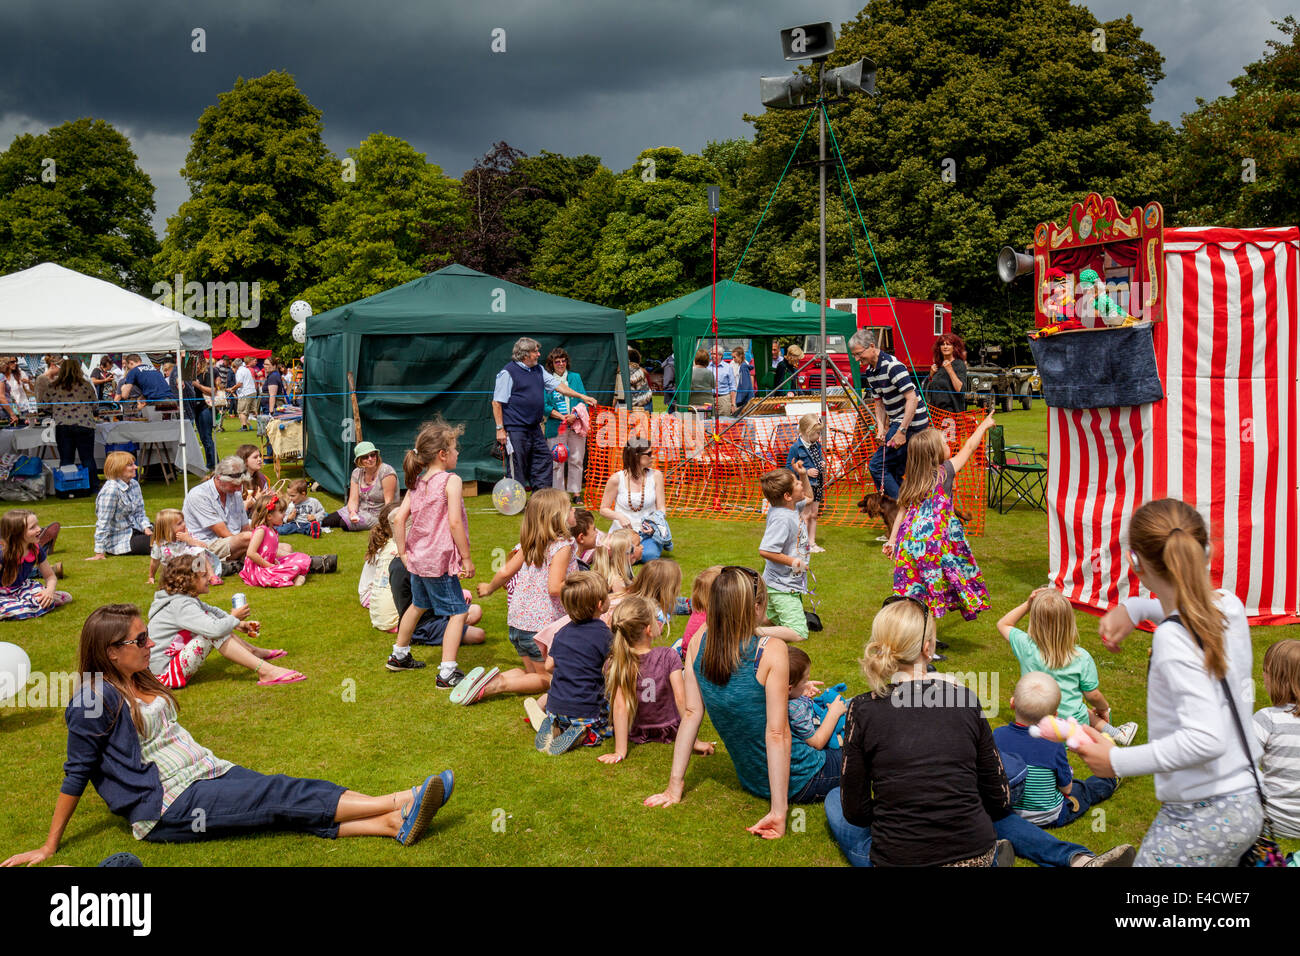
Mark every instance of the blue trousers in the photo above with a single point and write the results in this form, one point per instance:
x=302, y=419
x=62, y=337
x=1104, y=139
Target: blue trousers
x=203, y=427
x=532, y=458
x=887, y=464
x=1036, y=845
x=826, y=781
x=650, y=549
x=244, y=801
x=1084, y=795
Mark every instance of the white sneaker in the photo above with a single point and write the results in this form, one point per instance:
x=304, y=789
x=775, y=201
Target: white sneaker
x=1125, y=733
x=883, y=538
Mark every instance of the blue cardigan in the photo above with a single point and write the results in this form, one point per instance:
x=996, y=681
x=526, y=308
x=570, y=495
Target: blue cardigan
x=104, y=749
x=553, y=400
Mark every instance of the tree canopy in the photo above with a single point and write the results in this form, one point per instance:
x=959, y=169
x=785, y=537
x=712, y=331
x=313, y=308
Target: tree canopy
x=76, y=196
x=1238, y=158
x=374, y=231
x=260, y=179
x=992, y=116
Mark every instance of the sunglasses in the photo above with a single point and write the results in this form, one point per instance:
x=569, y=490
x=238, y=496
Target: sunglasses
x=139, y=641
x=749, y=572
x=919, y=605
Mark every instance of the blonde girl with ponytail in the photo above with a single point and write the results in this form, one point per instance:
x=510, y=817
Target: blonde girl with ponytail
x=643, y=683
x=1200, y=670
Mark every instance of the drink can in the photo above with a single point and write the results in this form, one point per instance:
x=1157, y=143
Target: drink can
x=237, y=601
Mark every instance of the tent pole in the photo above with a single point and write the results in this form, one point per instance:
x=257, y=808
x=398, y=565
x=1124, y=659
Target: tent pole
x=713, y=311
x=180, y=388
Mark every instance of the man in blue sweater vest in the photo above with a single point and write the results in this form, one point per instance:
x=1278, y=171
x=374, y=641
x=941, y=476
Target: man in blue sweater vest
x=518, y=398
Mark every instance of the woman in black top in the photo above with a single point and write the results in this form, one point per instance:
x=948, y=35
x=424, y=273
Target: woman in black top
x=922, y=776
x=785, y=372
x=946, y=386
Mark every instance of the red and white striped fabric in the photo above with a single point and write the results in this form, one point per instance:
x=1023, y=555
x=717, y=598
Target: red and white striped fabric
x=1225, y=439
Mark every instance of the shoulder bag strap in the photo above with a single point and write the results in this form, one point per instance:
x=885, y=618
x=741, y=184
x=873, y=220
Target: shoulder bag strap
x=1236, y=719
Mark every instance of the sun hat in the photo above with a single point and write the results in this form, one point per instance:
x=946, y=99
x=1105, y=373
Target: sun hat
x=363, y=449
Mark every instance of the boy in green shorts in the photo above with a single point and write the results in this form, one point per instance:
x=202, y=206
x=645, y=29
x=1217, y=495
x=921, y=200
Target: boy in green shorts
x=784, y=547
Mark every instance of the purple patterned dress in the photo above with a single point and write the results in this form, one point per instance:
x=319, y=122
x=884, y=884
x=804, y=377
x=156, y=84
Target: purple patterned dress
x=933, y=562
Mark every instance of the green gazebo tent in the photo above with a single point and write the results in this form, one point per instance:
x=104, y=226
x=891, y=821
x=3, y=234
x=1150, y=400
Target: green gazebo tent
x=435, y=345
x=743, y=312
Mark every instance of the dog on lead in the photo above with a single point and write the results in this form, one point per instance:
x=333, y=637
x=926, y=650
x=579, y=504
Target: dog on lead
x=879, y=505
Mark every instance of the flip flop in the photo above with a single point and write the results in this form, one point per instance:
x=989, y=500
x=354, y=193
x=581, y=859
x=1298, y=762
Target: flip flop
x=475, y=693
x=276, y=654
x=535, y=713
x=461, y=690
x=290, y=678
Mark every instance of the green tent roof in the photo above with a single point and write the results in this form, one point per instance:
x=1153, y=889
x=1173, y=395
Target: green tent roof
x=459, y=298
x=743, y=310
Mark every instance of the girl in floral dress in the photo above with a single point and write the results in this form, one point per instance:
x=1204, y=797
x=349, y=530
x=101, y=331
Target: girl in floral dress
x=932, y=561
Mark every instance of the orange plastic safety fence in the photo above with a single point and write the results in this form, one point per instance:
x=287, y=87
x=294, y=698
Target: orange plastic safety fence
x=715, y=474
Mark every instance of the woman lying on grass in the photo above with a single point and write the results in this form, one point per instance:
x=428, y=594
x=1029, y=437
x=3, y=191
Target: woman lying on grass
x=124, y=738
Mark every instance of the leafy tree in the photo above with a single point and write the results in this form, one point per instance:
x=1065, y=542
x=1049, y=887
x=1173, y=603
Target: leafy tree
x=260, y=179
x=374, y=230
x=1238, y=158
x=634, y=240
x=89, y=209
x=1020, y=97
x=488, y=240
x=553, y=180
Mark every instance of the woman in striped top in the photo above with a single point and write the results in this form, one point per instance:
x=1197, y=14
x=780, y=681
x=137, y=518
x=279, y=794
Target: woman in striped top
x=123, y=736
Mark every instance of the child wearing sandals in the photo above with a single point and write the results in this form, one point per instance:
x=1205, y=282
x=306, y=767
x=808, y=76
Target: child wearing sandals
x=643, y=684
x=172, y=538
x=538, y=568
x=1052, y=646
x=1278, y=730
x=185, y=630
x=577, y=713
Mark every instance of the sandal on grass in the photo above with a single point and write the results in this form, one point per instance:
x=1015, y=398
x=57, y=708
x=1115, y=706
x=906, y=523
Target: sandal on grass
x=290, y=678
x=275, y=654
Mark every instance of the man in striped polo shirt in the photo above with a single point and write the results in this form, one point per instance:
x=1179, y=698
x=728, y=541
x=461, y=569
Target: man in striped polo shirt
x=900, y=412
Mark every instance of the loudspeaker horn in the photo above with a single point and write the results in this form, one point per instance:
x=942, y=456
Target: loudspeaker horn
x=1012, y=264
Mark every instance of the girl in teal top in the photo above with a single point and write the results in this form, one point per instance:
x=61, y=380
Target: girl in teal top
x=744, y=683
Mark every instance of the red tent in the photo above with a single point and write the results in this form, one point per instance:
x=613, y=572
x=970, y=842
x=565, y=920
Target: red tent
x=228, y=343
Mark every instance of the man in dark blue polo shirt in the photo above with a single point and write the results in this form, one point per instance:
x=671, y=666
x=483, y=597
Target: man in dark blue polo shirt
x=900, y=412
x=148, y=382
x=518, y=400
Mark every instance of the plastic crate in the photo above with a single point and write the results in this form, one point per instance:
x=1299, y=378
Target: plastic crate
x=71, y=478
x=127, y=446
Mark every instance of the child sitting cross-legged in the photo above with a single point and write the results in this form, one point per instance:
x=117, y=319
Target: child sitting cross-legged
x=304, y=513
x=643, y=684
x=814, y=720
x=577, y=713
x=1052, y=796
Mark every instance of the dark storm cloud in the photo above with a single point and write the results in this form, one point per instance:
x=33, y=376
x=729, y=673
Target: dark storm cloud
x=608, y=77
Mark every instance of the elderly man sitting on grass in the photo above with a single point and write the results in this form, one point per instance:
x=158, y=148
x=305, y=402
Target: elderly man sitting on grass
x=214, y=511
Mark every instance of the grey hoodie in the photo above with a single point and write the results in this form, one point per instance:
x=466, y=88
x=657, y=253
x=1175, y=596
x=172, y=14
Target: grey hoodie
x=171, y=613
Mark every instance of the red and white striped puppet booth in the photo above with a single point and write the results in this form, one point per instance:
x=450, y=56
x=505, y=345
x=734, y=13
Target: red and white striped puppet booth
x=1225, y=437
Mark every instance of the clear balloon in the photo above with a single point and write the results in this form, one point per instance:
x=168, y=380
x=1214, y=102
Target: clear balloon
x=508, y=496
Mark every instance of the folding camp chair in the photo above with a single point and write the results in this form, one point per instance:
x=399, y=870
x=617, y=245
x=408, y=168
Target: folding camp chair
x=1019, y=474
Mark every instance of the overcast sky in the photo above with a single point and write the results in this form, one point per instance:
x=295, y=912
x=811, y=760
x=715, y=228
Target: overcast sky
x=609, y=77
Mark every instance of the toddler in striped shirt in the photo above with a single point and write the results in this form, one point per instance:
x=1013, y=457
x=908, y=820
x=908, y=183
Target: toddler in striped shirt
x=1278, y=729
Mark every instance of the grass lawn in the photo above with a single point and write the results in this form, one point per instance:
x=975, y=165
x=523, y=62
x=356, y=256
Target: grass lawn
x=355, y=723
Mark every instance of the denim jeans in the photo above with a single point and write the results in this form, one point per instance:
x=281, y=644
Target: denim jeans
x=1087, y=794
x=650, y=549
x=203, y=427
x=854, y=842
x=824, y=781
x=887, y=464
x=1034, y=844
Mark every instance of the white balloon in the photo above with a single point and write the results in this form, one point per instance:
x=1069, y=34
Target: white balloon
x=300, y=333
x=15, y=668
x=300, y=311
